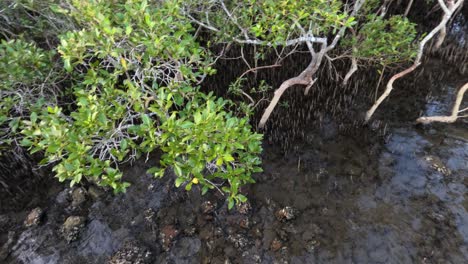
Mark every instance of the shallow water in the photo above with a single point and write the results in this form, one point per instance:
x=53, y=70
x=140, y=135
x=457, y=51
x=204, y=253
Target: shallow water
x=355, y=199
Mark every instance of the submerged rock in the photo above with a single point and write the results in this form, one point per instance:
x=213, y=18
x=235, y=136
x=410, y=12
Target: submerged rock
x=207, y=207
x=95, y=192
x=34, y=217
x=186, y=250
x=72, y=227
x=244, y=208
x=131, y=252
x=276, y=244
x=78, y=197
x=244, y=223
x=4, y=222
x=167, y=235
x=437, y=164
x=5, y=249
x=285, y=214
x=239, y=240
x=149, y=215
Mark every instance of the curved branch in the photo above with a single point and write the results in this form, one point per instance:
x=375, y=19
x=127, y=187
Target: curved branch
x=451, y=9
x=278, y=93
x=305, y=78
x=447, y=119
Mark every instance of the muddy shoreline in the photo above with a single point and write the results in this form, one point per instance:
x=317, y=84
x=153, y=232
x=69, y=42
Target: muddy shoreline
x=390, y=192
x=342, y=200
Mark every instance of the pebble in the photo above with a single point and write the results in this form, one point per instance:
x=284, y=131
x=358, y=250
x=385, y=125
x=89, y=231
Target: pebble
x=72, y=228
x=238, y=240
x=276, y=244
x=131, y=253
x=286, y=214
x=207, y=207
x=244, y=223
x=244, y=208
x=78, y=197
x=34, y=217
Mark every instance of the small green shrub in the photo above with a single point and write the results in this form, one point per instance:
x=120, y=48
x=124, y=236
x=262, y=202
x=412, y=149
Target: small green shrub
x=27, y=78
x=136, y=68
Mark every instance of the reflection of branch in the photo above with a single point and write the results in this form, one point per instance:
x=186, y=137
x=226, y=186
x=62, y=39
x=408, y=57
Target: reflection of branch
x=451, y=118
x=448, y=14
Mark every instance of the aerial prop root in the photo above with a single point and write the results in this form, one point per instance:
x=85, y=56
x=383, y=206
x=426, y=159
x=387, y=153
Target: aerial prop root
x=455, y=110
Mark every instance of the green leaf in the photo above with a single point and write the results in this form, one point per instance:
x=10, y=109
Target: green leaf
x=204, y=190
x=231, y=203
x=242, y=198
x=178, y=170
x=179, y=181
x=123, y=144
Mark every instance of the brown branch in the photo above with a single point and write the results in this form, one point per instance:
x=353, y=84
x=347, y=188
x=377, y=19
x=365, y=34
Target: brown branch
x=451, y=9
x=447, y=119
x=278, y=93
x=305, y=78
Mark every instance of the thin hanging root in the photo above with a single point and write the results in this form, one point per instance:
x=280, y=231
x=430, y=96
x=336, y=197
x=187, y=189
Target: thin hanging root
x=451, y=118
x=408, y=8
x=448, y=12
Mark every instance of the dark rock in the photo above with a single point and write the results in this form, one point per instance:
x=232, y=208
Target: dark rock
x=5, y=250
x=72, y=228
x=4, y=223
x=186, y=248
x=95, y=192
x=63, y=197
x=34, y=217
